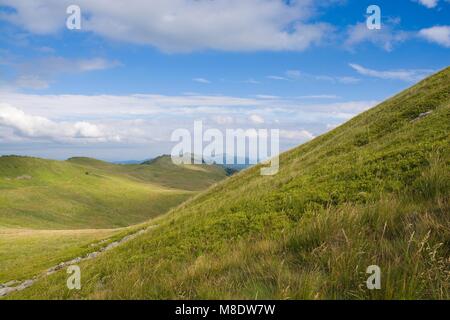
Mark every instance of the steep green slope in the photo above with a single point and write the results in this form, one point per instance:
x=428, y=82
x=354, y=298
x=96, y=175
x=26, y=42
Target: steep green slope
x=374, y=191
x=88, y=193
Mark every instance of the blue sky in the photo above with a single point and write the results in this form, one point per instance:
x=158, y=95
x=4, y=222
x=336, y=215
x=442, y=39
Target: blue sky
x=137, y=70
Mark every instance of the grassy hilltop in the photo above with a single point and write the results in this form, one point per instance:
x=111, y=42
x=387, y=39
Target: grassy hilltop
x=373, y=191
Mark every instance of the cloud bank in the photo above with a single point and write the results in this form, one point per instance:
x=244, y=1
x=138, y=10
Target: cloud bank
x=29, y=126
x=136, y=119
x=181, y=25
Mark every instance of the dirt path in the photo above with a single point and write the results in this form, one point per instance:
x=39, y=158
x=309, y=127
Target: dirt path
x=14, y=285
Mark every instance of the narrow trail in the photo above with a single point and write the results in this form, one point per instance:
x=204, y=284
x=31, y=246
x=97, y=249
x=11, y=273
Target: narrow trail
x=15, y=285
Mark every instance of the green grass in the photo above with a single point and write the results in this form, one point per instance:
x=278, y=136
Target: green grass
x=373, y=191
x=87, y=193
x=25, y=253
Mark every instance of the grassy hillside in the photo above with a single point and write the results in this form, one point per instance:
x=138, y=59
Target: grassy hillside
x=88, y=193
x=373, y=191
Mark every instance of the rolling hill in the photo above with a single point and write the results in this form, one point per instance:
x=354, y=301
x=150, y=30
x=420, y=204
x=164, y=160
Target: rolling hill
x=88, y=193
x=374, y=191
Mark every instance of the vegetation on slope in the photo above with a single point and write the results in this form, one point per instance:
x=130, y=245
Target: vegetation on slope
x=88, y=193
x=374, y=191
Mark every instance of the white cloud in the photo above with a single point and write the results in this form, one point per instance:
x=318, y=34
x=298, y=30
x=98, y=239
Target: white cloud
x=348, y=80
x=55, y=65
x=31, y=126
x=266, y=96
x=293, y=74
x=31, y=82
x=201, y=80
x=428, y=3
x=100, y=107
x=92, y=64
x=256, y=119
x=297, y=75
x=385, y=38
x=277, y=78
x=116, y=106
x=403, y=75
x=319, y=96
x=39, y=73
x=223, y=119
x=180, y=25
x=437, y=34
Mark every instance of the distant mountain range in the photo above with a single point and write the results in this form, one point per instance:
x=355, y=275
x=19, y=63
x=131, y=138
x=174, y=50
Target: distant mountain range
x=238, y=165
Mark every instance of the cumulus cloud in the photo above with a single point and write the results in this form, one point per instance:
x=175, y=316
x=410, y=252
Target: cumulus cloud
x=437, y=34
x=403, y=75
x=31, y=126
x=180, y=25
x=428, y=3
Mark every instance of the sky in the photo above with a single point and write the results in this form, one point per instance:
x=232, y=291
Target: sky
x=137, y=70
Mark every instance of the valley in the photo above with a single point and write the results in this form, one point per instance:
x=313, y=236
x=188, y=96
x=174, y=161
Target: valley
x=53, y=211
